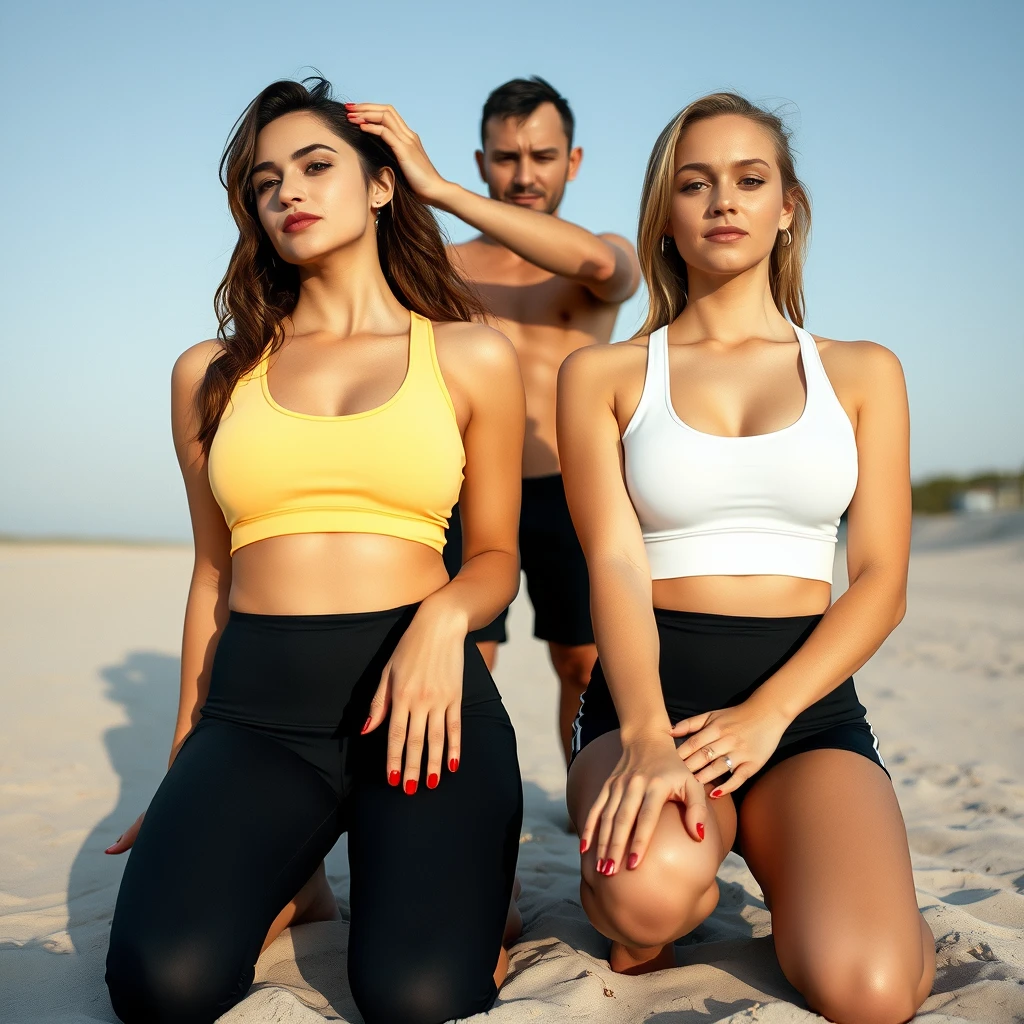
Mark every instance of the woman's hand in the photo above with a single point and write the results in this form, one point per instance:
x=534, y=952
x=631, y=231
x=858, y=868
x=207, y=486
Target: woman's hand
x=126, y=840
x=422, y=686
x=647, y=776
x=383, y=120
x=735, y=741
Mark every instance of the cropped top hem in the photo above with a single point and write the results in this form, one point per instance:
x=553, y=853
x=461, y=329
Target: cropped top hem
x=740, y=553
x=334, y=519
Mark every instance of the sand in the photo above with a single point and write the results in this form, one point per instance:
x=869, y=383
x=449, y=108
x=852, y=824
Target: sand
x=88, y=683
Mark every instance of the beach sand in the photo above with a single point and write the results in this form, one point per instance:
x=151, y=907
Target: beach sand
x=88, y=690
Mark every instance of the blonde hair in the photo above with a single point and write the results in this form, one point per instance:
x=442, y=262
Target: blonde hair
x=664, y=271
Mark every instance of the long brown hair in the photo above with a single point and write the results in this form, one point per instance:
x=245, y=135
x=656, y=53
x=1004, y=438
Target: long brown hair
x=259, y=289
x=663, y=268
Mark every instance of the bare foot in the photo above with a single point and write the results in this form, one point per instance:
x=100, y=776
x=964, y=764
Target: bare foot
x=641, y=959
x=313, y=902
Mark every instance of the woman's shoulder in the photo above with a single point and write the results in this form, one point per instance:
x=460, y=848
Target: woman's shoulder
x=190, y=366
x=465, y=343
x=604, y=363
x=858, y=360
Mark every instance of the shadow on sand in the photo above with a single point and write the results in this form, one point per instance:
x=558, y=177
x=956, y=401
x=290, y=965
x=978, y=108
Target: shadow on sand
x=145, y=685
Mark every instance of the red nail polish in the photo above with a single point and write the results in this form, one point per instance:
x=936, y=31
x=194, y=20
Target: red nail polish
x=349, y=104
x=600, y=865
x=432, y=780
x=609, y=867
x=366, y=725
x=715, y=794
x=700, y=831
x=453, y=764
x=394, y=777
x=633, y=860
x=583, y=845
x=410, y=786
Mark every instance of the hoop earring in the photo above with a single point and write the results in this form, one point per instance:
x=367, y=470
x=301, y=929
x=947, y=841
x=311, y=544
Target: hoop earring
x=665, y=242
x=789, y=237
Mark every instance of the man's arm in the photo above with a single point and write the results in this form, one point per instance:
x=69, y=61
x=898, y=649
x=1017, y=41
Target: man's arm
x=606, y=264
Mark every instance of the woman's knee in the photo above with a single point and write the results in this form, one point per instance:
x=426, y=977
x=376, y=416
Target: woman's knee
x=668, y=895
x=431, y=990
x=863, y=988
x=168, y=983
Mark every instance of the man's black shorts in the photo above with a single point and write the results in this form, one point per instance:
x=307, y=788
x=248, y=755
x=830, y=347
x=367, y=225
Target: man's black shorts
x=556, y=571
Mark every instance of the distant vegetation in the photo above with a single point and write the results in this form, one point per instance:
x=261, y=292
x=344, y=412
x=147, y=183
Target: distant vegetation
x=948, y=493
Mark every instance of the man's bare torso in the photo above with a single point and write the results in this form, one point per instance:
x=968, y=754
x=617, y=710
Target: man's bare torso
x=546, y=317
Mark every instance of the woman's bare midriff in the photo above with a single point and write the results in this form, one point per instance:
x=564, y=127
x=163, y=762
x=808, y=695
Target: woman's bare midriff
x=332, y=573
x=764, y=596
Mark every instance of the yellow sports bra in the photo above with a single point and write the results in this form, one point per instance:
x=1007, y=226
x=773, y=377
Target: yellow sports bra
x=394, y=470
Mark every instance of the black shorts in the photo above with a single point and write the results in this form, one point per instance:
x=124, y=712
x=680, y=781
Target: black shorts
x=552, y=559
x=707, y=662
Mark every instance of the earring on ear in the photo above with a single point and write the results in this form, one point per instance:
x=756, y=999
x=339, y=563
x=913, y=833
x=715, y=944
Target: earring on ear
x=789, y=237
x=665, y=242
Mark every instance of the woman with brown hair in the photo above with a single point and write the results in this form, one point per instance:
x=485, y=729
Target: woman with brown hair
x=327, y=682
x=707, y=463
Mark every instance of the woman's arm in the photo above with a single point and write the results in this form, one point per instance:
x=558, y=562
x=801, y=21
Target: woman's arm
x=590, y=450
x=486, y=385
x=206, y=610
x=878, y=552
x=422, y=681
x=620, y=579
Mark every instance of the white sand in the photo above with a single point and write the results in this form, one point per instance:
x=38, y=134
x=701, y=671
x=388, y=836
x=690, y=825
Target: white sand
x=89, y=636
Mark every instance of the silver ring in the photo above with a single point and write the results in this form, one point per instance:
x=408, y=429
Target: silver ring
x=728, y=763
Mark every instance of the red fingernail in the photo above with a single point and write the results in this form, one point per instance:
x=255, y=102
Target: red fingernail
x=393, y=778
x=600, y=865
x=410, y=786
x=715, y=794
x=362, y=732
x=634, y=859
x=700, y=831
x=349, y=104
x=609, y=867
x=583, y=845
x=432, y=780
x=453, y=764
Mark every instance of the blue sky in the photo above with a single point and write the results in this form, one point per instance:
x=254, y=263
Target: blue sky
x=908, y=128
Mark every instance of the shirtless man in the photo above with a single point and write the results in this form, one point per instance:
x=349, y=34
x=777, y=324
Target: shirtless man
x=552, y=287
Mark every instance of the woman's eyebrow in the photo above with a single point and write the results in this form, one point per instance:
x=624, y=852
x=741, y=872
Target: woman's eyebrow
x=707, y=169
x=268, y=165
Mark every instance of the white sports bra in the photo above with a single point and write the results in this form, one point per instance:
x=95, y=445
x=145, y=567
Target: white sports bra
x=761, y=505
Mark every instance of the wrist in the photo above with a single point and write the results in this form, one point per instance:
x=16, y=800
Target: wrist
x=767, y=707
x=646, y=732
x=444, y=195
x=444, y=613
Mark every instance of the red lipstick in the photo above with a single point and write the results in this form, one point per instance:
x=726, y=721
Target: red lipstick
x=298, y=221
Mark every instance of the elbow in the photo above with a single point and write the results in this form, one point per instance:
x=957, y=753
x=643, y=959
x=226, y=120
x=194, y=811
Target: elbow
x=900, y=609
x=599, y=264
x=602, y=270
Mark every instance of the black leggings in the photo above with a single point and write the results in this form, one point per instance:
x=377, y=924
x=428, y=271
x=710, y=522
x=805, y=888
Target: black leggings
x=261, y=790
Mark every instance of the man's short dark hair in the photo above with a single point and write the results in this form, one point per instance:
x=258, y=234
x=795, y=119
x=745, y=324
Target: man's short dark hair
x=520, y=98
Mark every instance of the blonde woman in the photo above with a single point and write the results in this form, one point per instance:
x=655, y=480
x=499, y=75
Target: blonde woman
x=707, y=463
